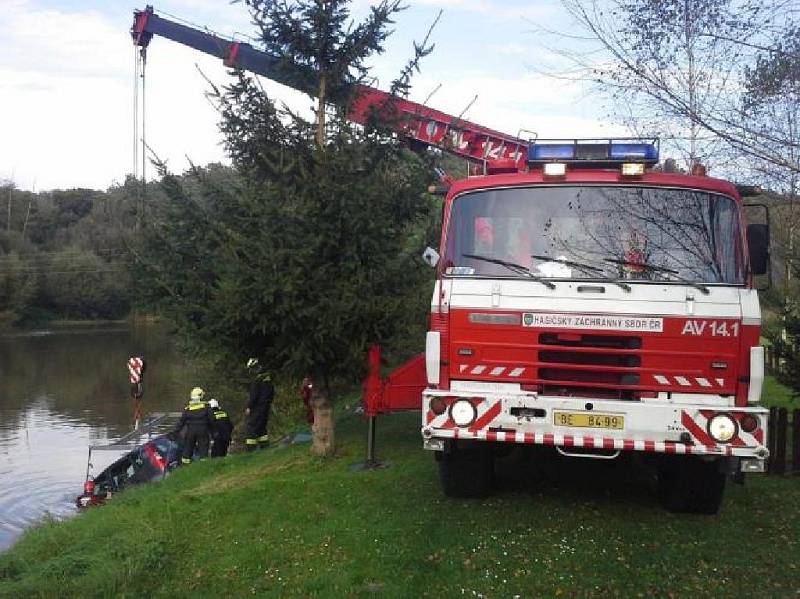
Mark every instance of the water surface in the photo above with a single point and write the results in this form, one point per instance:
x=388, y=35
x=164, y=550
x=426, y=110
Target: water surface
x=61, y=391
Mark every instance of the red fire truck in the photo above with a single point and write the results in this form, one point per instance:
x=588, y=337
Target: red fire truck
x=599, y=308
x=596, y=305
x=584, y=300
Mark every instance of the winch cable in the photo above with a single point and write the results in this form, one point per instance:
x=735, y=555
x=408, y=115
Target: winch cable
x=143, y=54
x=140, y=129
x=139, y=135
x=135, y=170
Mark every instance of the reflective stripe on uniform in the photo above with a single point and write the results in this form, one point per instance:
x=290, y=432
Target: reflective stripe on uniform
x=196, y=406
x=251, y=441
x=186, y=460
x=220, y=414
x=263, y=438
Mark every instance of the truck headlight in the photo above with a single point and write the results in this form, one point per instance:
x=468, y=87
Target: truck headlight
x=722, y=428
x=463, y=412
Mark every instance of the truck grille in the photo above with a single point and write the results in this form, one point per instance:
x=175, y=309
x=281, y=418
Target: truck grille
x=574, y=357
x=606, y=341
x=567, y=368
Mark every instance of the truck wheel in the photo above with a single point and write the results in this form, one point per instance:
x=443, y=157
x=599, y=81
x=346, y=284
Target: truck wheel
x=691, y=485
x=466, y=472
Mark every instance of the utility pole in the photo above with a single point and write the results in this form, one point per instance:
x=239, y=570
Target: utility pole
x=8, y=195
x=27, y=216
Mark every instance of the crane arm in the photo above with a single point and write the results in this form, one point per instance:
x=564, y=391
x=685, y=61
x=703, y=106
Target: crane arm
x=421, y=124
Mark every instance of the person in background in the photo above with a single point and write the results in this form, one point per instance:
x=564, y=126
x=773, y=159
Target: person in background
x=306, y=392
x=221, y=430
x=258, y=405
x=197, y=419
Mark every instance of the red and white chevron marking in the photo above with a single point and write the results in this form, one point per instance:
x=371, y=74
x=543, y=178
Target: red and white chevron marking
x=662, y=379
x=488, y=410
x=135, y=370
x=697, y=425
x=687, y=381
x=587, y=441
x=512, y=371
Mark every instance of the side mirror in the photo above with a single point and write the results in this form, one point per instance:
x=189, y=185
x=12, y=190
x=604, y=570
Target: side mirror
x=758, y=248
x=431, y=257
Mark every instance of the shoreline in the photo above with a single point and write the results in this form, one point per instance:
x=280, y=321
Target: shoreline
x=56, y=324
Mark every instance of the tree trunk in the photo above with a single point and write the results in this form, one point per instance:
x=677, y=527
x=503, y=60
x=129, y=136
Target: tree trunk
x=321, y=112
x=322, y=431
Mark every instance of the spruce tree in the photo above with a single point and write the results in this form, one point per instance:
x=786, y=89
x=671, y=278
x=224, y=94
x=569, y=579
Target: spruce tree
x=322, y=52
x=310, y=253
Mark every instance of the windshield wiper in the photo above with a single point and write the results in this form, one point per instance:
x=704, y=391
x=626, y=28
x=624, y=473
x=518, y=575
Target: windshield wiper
x=654, y=268
x=587, y=268
x=512, y=266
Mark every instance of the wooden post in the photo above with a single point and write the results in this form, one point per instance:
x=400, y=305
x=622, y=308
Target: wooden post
x=780, y=442
x=796, y=441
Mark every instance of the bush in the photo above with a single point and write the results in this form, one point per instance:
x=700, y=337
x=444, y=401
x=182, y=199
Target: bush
x=787, y=349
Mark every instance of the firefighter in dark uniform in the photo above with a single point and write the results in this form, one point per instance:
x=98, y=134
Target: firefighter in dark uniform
x=221, y=431
x=258, y=406
x=197, y=419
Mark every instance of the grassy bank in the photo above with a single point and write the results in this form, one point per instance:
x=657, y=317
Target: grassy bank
x=283, y=524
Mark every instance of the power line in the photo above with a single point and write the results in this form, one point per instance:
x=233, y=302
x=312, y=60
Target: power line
x=53, y=259
x=65, y=253
x=62, y=272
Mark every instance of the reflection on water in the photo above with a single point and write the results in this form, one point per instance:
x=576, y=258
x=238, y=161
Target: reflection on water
x=60, y=392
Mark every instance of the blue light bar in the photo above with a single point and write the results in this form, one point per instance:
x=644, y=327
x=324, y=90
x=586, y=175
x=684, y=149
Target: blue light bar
x=551, y=152
x=594, y=152
x=633, y=151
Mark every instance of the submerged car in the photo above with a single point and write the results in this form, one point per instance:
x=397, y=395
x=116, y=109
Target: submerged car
x=148, y=462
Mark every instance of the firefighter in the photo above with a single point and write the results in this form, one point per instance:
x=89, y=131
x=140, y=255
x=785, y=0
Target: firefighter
x=258, y=405
x=221, y=431
x=198, y=419
x=306, y=392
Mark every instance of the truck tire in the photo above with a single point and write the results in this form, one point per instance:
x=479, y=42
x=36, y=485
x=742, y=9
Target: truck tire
x=691, y=485
x=466, y=472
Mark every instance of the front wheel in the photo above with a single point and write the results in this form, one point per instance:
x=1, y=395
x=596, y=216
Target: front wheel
x=466, y=471
x=691, y=485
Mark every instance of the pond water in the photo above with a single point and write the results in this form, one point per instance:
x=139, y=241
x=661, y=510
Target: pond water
x=61, y=391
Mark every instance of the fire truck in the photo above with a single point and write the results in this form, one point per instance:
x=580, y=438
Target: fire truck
x=596, y=307
x=584, y=300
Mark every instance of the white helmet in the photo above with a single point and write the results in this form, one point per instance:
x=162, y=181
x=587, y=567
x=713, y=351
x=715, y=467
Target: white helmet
x=213, y=403
x=252, y=362
x=197, y=394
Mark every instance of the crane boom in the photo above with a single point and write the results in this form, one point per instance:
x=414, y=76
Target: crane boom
x=421, y=124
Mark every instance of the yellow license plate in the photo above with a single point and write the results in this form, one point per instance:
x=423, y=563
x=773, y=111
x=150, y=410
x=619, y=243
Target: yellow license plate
x=588, y=420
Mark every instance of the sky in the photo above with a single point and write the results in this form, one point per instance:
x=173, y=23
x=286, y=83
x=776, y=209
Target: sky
x=67, y=81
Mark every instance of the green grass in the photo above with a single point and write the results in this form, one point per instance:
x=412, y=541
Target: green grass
x=283, y=524
x=776, y=394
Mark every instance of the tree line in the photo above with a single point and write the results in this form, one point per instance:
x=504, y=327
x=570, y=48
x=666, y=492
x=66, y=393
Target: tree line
x=63, y=253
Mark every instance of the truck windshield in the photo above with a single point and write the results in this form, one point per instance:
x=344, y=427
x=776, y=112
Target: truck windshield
x=596, y=232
